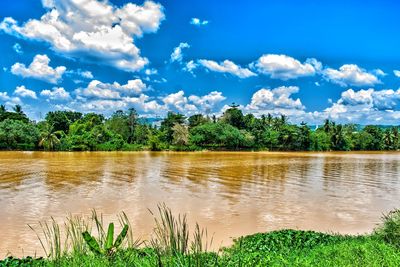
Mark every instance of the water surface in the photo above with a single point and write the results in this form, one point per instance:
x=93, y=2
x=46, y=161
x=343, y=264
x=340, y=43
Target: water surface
x=230, y=193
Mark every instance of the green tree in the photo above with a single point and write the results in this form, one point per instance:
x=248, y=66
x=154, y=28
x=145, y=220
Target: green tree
x=320, y=140
x=234, y=117
x=376, y=133
x=16, y=134
x=196, y=120
x=62, y=119
x=168, y=123
x=49, y=137
x=132, y=123
x=118, y=124
x=18, y=109
x=180, y=134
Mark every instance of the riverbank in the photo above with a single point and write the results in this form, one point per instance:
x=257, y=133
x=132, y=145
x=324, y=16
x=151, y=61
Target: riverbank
x=173, y=245
x=282, y=248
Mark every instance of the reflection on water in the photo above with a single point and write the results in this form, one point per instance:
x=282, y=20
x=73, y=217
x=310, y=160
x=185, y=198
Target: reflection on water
x=231, y=194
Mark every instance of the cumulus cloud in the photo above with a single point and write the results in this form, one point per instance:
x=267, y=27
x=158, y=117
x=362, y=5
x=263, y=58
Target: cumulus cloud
x=39, y=69
x=351, y=75
x=364, y=106
x=284, y=67
x=208, y=101
x=141, y=103
x=396, y=73
x=276, y=101
x=98, y=89
x=92, y=29
x=227, y=66
x=193, y=104
x=177, y=55
x=8, y=100
x=198, y=22
x=57, y=93
x=22, y=91
x=179, y=101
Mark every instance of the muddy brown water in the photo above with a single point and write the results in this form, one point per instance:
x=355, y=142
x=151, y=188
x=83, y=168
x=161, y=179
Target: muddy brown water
x=229, y=193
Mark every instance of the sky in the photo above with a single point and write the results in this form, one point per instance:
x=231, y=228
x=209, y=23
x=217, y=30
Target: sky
x=309, y=60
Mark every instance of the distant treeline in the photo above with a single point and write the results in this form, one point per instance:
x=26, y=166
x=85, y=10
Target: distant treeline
x=124, y=130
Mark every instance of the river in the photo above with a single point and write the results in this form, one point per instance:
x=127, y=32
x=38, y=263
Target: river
x=229, y=193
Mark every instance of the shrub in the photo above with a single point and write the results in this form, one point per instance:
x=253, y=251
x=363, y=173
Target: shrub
x=390, y=228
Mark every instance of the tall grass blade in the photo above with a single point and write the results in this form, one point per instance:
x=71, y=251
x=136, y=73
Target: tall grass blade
x=110, y=236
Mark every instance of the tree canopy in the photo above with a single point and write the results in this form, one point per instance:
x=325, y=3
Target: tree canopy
x=233, y=130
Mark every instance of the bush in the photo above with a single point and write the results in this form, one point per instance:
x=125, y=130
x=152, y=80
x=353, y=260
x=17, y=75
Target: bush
x=390, y=228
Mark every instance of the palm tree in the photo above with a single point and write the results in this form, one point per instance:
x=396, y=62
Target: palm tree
x=2, y=109
x=49, y=138
x=270, y=119
x=18, y=109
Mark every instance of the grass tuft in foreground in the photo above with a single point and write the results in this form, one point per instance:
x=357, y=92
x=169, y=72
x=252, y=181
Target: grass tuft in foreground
x=172, y=244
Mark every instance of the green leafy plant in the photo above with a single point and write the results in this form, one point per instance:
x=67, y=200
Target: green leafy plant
x=110, y=247
x=389, y=230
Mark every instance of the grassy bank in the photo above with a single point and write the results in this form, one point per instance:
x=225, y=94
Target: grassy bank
x=172, y=244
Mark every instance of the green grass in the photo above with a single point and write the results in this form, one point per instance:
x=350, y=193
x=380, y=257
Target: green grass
x=173, y=244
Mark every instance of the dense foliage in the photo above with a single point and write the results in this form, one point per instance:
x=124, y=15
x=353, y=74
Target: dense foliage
x=74, y=131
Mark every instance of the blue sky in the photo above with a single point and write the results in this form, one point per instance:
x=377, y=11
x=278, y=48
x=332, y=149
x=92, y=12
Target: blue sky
x=309, y=60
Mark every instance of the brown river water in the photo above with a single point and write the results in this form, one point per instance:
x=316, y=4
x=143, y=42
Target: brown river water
x=229, y=193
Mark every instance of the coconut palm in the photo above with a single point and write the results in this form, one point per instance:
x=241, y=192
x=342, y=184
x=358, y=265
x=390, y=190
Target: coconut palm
x=18, y=109
x=49, y=138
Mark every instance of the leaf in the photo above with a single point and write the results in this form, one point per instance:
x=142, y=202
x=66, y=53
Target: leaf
x=91, y=242
x=110, y=236
x=121, y=236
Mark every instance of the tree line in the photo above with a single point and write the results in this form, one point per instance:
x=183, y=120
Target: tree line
x=125, y=130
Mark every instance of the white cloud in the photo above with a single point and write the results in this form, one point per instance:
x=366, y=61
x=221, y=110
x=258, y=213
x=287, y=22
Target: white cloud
x=198, y=22
x=207, y=103
x=190, y=67
x=142, y=103
x=192, y=104
x=85, y=74
x=17, y=48
x=98, y=89
x=364, y=106
x=396, y=73
x=351, y=97
x=39, y=69
x=177, y=55
x=284, y=67
x=9, y=101
x=350, y=74
x=179, y=101
x=57, y=93
x=82, y=73
x=227, y=66
x=151, y=72
x=22, y=91
x=379, y=72
x=276, y=101
x=92, y=29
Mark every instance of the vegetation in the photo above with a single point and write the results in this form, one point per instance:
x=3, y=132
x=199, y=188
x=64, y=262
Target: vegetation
x=74, y=131
x=172, y=245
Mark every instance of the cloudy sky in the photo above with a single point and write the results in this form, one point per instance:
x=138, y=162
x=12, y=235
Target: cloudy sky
x=306, y=59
